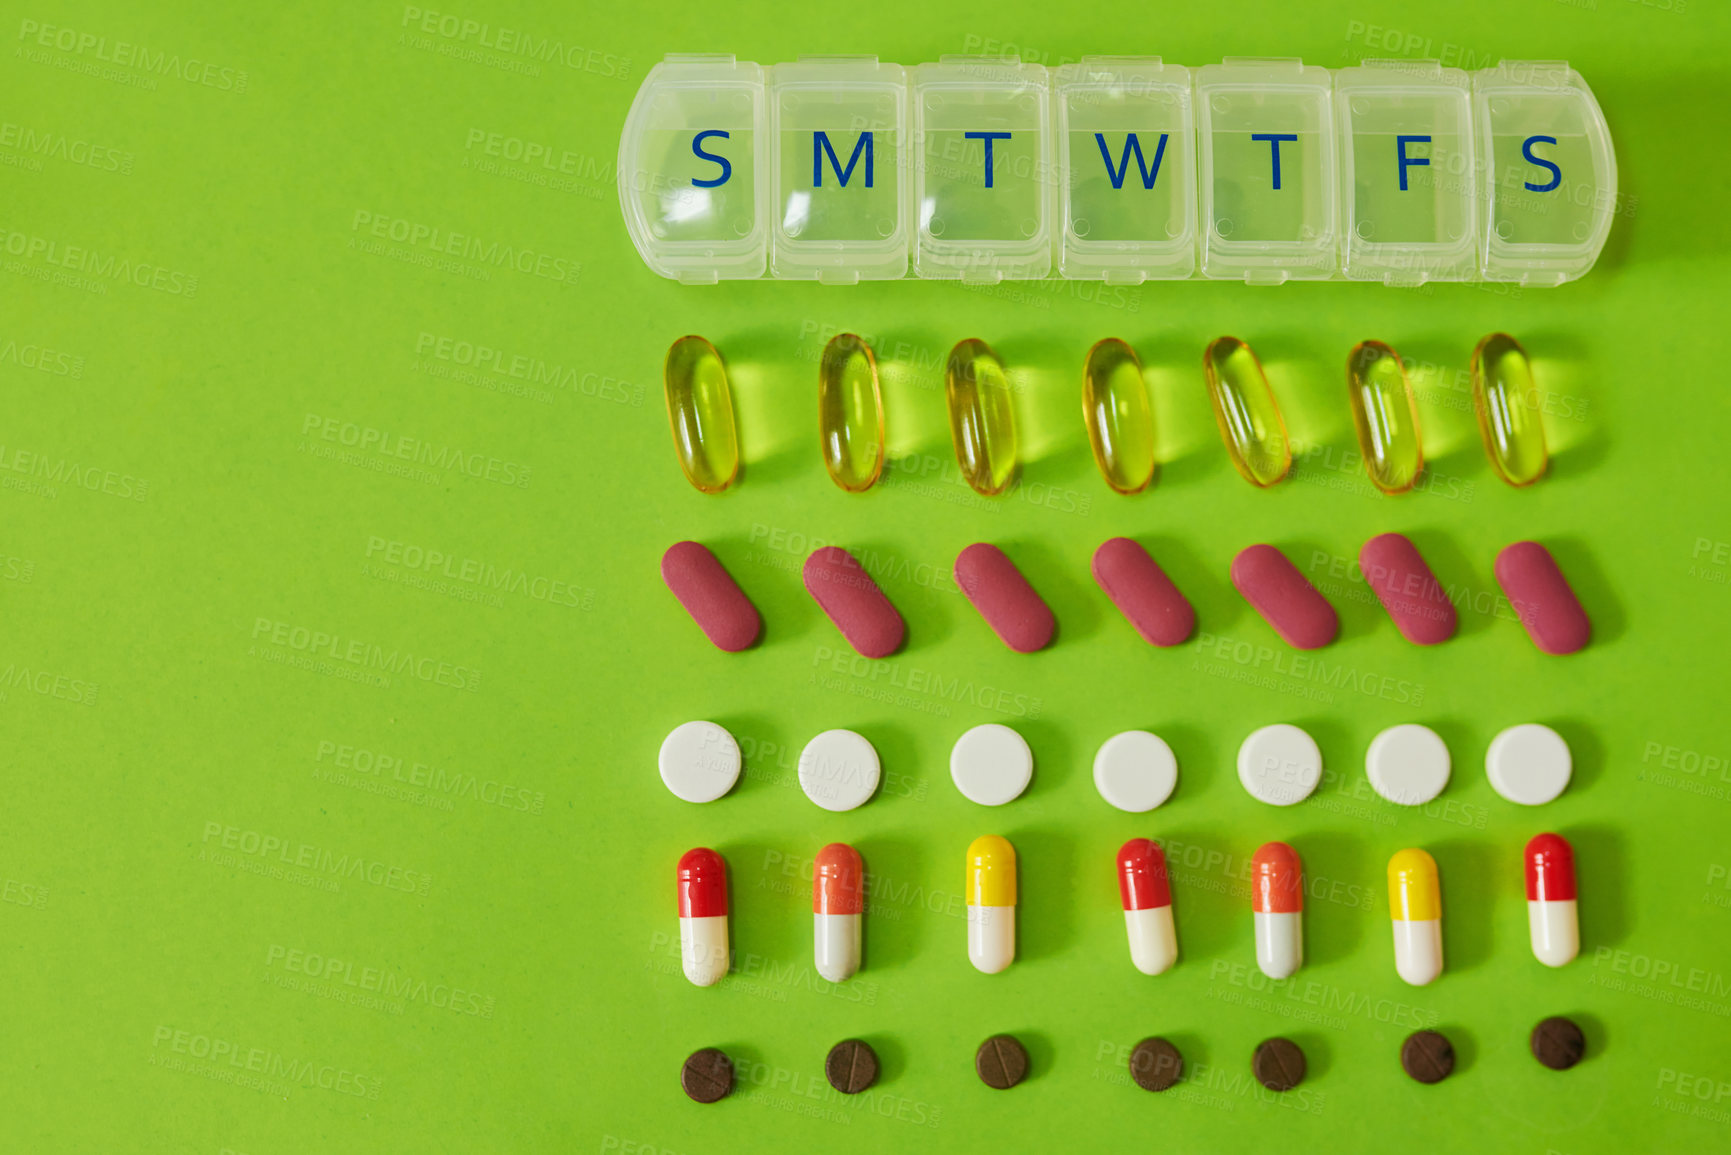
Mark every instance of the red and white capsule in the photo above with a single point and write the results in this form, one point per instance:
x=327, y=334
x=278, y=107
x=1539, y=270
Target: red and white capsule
x=837, y=907
x=1277, y=897
x=1147, y=894
x=703, y=916
x=1551, y=916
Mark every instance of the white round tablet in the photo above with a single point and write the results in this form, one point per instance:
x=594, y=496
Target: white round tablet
x=1528, y=764
x=1408, y=765
x=1279, y=765
x=699, y=761
x=1135, y=771
x=991, y=764
x=839, y=770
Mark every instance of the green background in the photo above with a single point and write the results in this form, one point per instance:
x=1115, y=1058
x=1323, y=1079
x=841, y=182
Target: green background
x=184, y=850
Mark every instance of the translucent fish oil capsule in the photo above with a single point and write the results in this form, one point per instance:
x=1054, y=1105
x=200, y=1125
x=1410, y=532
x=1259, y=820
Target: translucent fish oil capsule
x=1385, y=416
x=850, y=411
x=700, y=410
x=1249, y=416
x=1507, y=402
x=1119, y=418
x=982, y=422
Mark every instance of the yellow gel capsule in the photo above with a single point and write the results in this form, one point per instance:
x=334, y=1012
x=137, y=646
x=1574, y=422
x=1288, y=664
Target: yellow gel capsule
x=1249, y=417
x=850, y=413
x=1119, y=419
x=1385, y=416
x=982, y=423
x=1507, y=402
x=700, y=410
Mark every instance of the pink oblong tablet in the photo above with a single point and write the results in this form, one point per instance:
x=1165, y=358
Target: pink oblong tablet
x=1285, y=599
x=1408, y=589
x=1016, y=613
x=854, y=602
x=711, y=596
x=1540, y=594
x=1143, y=593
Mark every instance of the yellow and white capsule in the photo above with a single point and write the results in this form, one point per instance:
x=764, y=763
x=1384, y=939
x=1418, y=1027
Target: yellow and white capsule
x=991, y=892
x=1415, y=903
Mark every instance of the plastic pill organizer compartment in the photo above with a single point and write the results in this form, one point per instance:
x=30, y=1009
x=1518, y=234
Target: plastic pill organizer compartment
x=1124, y=169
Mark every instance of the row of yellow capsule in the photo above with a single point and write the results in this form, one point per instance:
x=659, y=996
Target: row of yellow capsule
x=1117, y=411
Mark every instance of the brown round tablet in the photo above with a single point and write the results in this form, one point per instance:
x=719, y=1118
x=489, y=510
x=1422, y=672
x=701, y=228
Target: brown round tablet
x=1001, y=1062
x=851, y=1067
x=1427, y=1056
x=1558, y=1043
x=707, y=1075
x=1155, y=1064
x=1278, y=1064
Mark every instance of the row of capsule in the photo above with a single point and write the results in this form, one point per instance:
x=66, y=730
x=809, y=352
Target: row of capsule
x=1116, y=410
x=1277, y=900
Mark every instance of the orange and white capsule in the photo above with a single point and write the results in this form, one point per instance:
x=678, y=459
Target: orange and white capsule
x=703, y=916
x=1551, y=915
x=837, y=907
x=1415, y=904
x=1277, y=897
x=1147, y=895
x=991, y=891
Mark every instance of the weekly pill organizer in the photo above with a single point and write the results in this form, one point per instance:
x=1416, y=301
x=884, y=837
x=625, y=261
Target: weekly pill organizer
x=354, y=736
x=1121, y=169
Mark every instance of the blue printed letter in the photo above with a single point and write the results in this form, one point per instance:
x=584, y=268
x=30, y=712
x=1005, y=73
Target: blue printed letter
x=1405, y=161
x=726, y=166
x=1132, y=145
x=1556, y=173
x=1274, y=139
x=988, y=137
x=820, y=146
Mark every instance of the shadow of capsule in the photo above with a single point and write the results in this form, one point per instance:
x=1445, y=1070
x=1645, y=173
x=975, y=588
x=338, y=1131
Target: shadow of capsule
x=1056, y=578
x=1601, y=875
x=1046, y=868
x=899, y=920
x=1591, y=586
x=1469, y=873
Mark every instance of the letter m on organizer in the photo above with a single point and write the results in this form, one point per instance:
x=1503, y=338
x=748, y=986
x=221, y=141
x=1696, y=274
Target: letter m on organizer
x=821, y=147
x=1132, y=147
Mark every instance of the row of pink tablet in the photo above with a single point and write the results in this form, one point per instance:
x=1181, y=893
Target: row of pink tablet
x=1159, y=611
